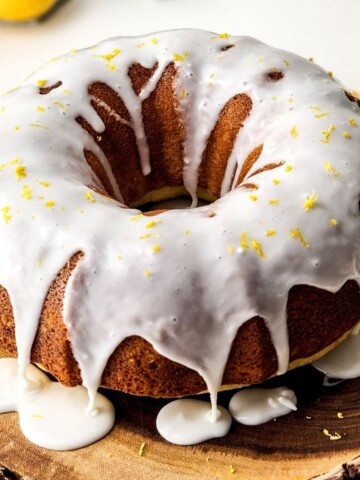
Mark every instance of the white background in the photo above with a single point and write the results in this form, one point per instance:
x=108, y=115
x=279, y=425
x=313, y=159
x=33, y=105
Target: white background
x=327, y=30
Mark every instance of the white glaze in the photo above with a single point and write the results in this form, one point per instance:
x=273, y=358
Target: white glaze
x=254, y=406
x=101, y=304
x=188, y=422
x=343, y=362
x=51, y=415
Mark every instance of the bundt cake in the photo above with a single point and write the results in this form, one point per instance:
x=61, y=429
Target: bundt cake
x=263, y=278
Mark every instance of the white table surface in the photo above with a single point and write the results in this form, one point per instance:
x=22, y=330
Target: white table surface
x=327, y=30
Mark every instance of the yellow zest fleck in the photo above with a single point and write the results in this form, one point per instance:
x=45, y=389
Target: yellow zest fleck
x=285, y=62
x=73, y=51
x=340, y=415
x=330, y=169
x=99, y=138
x=346, y=134
x=20, y=172
x=270, y=233
x=260, y=59
x=288, y=168
x=258, y=248
x=352, y=122
x=155, y=248
x=335, y=436
x=151, y=224
x=333, y=222
x=36, y=415
x=311, y=59
x=318, y=109
x=41, y=83
x=109, y=56
x=187, y=232
x=243, y=241
x=253, y=198
x=61, y=105
x=323, y=114
x=49, y=204
x=274, y=201
x=40, y=197
x=229, y=248
x=118, y=257
x=232, y=469
x=141, y=449
x=294, y=132
x=6, y=215
x=44, y=184
x=310, y=202
x=327, y=134
x=69, y=92
x=154, y=41
x=184, y=93
x=147, y=273
x=39, y=262
x=89, y=196
x=330, y=74
x=3, y=109
x=15, y=161
x=38, y=126
x=144, y=237
x=290, y=100
x=274, y=97
x=40, y=108
x=136, y=217
x=178, y=58
x=221, y=35
x=26, y=192
x=111, y=66
x=297, y=234
x=17, y=127
x=276, y=182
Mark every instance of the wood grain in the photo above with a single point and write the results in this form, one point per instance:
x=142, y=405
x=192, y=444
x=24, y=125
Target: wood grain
x=291, y=448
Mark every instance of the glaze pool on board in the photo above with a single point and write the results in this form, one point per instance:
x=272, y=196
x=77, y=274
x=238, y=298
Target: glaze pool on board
x=51, y=415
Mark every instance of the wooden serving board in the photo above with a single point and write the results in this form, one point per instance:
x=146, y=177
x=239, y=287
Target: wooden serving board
x=293, y=447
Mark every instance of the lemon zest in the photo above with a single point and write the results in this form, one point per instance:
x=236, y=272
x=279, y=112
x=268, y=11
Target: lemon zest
x=243, y=241
x=310, y=202
x=258, y=248
x=297, y=234
x=89, y=196
x=20, y=172
x=26, y=192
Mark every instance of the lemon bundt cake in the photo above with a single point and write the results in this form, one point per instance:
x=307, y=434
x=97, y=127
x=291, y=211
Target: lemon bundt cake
x=168, y=303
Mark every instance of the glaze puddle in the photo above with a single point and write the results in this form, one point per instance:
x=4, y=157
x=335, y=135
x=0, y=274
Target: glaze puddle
x=344, y=361
x=188, y=422
x=260, y=405
x=51, y=415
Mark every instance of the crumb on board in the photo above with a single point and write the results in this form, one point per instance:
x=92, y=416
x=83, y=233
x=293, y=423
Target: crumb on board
x=141, y=449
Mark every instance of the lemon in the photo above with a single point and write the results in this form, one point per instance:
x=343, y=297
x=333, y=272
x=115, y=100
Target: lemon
x=23, y=10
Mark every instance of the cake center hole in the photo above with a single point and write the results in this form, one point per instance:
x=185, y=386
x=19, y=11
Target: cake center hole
x=171, y=204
